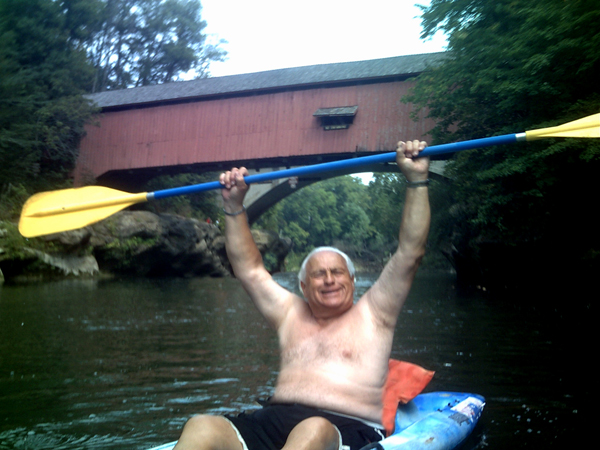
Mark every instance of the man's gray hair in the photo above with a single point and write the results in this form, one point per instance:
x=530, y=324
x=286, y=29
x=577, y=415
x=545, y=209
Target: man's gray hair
x=302, y=273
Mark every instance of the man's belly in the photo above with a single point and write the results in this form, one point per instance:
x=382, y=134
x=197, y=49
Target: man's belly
x=356, y=396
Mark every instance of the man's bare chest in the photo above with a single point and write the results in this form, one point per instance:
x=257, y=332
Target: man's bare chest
x=309, y=345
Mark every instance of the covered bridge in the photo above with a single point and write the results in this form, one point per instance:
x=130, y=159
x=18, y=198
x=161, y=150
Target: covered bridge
x=264, y=121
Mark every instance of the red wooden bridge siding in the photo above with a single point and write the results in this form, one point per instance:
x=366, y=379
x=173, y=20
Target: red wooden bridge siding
x=248, y=127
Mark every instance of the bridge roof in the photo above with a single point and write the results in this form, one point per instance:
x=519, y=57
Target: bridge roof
x=291, y=78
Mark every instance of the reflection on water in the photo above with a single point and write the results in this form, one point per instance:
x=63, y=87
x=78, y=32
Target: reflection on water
x=123, y=363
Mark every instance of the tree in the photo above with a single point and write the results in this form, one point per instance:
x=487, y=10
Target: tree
x=515, y=65
x=143, y=42
x=331, y=212
x=510, y=62
x=386, y=193
x=43, y=75
x=356, y=224
x=314, y=210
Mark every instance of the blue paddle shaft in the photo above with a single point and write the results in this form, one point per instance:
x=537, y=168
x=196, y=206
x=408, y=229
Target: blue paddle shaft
x=341, y=165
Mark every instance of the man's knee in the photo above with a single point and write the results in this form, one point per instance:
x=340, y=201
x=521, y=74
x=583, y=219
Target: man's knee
x=203, y=423
x=320, y=425
x=317, y=431
x=208, y=432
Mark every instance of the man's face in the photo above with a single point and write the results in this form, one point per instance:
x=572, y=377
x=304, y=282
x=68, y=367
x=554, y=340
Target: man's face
x=329, y=288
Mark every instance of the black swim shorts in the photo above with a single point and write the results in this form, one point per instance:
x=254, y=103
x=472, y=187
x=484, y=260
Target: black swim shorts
x=269, y=427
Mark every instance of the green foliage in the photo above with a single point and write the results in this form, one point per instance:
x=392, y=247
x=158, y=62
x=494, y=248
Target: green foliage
x=516, y=65
x=11, y=242
x=361, y=220
x=313, y=210
x=42, y=76
x=386, y=200
x=12, y=199
x=122, y=251
x=143, y=42
x=510, y=63
x=299, y=236
x=201, y=206
x=14, y=246
x=271, y=219
x=332, y=212
x=387, y=192
x=314, y=215
x=356, y=224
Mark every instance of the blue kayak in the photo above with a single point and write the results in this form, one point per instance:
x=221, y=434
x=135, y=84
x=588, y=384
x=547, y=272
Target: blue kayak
x=432, y=421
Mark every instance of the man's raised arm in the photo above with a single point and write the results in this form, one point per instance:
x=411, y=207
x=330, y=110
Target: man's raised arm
x=388, y=294
x=270, y=298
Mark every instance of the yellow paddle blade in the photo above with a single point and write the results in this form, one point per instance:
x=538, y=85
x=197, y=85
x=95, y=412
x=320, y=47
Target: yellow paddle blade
x=69, y=209
x=588, y=127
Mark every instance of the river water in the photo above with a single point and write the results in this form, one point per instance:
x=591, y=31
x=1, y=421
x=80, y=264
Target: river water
x=122, y=364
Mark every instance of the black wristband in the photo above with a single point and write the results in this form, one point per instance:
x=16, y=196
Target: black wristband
x=237, y=213
x=416, y=184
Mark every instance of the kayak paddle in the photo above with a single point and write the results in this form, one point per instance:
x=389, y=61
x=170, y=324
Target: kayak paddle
x=69, y=209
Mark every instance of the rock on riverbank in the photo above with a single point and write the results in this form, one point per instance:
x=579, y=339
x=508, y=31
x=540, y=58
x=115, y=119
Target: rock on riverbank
x=129, y=242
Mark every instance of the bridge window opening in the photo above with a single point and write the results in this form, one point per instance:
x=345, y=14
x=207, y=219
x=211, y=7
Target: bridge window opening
x=338, y=118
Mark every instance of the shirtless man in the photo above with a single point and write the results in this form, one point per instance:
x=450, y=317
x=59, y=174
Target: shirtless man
x=334, y=352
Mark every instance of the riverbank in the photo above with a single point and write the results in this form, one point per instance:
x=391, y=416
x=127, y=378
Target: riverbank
x=139, y=243
x=142, y=243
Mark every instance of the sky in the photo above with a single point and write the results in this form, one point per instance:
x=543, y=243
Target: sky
x=273, y=34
